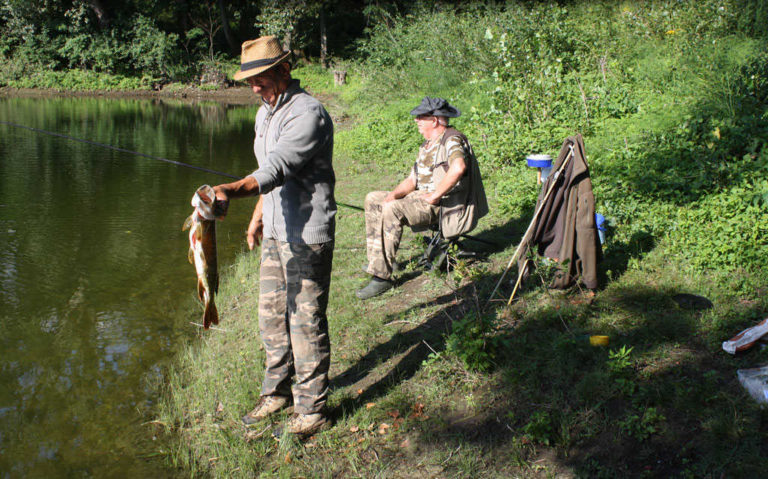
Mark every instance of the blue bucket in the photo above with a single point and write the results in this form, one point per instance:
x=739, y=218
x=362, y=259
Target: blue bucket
x=539, y=161
x=542, y=162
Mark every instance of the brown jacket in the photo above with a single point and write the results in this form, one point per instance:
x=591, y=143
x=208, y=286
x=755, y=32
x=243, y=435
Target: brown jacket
x=566, y=228
x=466, y=203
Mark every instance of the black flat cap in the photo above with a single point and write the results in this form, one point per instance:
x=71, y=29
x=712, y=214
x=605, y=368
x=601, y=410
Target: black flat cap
x=436, y=107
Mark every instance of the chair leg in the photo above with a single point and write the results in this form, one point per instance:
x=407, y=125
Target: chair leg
x=444, y=259
x=438, y=254
x=434, y=244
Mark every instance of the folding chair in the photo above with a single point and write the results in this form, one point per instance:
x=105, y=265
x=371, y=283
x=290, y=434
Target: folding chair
x=442, y=253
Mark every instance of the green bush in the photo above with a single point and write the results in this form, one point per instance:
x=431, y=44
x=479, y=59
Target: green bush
x=675, y=144
x=152, y=51
x=81, y=80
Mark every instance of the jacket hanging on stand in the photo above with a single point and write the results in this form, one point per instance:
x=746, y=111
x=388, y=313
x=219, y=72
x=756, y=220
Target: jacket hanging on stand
x=566, y=228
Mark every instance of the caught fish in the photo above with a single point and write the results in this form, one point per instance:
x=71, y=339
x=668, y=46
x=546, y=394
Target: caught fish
x=202, y=251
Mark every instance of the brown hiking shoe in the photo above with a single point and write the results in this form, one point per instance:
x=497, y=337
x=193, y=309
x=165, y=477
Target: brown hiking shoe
x=267, y=406
x=302, y=425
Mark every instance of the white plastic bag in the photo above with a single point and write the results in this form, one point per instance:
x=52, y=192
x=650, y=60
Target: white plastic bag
x=755, y=381
x=747, y=338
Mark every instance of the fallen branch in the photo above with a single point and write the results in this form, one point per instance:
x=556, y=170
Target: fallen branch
x=430, y=347
x=451, y=455
x=400, y=321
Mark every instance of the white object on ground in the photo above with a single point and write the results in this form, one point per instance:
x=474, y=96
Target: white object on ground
x=755, y=381
x=747, y=338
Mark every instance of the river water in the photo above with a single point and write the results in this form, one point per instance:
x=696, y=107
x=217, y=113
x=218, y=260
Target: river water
x=96, y=294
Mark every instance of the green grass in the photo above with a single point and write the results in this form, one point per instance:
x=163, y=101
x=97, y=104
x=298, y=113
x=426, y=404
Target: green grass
x=424, y=384
x=551, y=404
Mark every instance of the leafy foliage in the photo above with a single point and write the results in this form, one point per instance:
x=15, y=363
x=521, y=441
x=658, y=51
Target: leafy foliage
x=472, y=341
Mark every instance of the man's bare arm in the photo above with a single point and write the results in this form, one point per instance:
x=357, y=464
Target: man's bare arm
x=406, y=186
x=248, y=186
x=256, y=227
x=454, y=174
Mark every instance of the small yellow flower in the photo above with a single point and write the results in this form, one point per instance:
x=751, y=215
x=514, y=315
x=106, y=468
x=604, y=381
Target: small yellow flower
x=671, y=32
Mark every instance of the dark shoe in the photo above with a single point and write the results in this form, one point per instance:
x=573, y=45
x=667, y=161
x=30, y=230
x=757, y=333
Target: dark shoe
x=374, y=288
x=267, y=406
x=302, y=425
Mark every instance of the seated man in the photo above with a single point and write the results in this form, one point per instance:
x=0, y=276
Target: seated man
x=445, y=166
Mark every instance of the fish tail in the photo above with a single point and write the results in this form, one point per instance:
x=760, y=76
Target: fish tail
x=210, y=315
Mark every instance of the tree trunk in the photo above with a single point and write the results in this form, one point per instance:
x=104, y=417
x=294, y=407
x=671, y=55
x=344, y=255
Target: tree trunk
x=323, y=40
x=101, y=13
x=234, y=45
x=182, y=9
x=287, y=42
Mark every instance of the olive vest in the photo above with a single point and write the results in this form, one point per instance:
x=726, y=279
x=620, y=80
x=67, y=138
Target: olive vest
x=465, y=204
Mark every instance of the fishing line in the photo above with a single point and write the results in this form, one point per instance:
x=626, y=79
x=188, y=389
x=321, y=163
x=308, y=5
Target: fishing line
x=123, y=150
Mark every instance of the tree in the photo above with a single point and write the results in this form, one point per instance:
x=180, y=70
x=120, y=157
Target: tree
x=234, y=45
x=323, y=39
x=280, y=18
x=204, y=17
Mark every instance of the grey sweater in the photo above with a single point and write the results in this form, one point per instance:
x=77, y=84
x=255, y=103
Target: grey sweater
x=294, y=149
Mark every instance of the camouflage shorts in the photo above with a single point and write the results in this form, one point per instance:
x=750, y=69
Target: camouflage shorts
x=384, y=226
x=293, y=297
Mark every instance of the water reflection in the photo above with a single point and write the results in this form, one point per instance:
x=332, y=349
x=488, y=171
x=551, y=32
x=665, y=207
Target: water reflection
x=95, y=288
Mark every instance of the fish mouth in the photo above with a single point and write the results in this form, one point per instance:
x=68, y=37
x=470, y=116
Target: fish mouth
x=204, y=201
x=206, y=193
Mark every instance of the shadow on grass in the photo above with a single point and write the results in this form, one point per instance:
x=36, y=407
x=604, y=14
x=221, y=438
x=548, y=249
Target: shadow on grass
x=667, y=412
x=409, y=349
x=618, y=254
x=485, y=241
x=406, y=349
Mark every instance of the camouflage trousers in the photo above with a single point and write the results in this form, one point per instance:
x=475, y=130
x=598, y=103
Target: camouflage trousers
x=384, y=227
x=293, y=297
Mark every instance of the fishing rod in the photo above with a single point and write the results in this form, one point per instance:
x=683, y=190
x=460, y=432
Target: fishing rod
x=123, y=150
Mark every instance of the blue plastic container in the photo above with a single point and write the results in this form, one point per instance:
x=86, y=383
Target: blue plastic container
x=601, y=227
x=539, y=161
x=543, y=163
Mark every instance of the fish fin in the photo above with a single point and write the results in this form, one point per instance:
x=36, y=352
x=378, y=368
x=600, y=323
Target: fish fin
x=210, y=315
x=188, y=222
x=200, y=290
x=191, y=256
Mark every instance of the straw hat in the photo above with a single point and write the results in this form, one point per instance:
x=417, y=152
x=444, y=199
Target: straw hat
x=260, y=55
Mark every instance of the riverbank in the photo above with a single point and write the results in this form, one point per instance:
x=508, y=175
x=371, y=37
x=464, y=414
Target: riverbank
x=237, y=95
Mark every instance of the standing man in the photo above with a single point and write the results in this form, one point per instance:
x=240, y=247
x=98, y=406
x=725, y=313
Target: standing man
x=295, y=216
x=445, y=176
